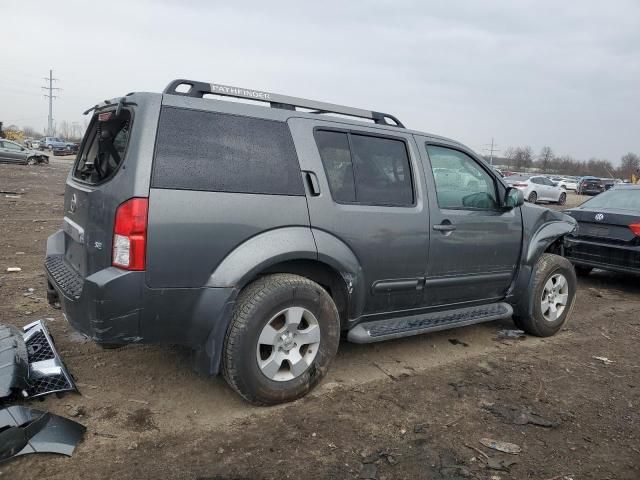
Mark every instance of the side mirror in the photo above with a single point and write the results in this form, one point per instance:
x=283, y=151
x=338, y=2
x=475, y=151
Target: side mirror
x=513, y=198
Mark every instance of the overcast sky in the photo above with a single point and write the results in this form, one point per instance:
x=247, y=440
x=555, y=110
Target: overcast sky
x=564, y=74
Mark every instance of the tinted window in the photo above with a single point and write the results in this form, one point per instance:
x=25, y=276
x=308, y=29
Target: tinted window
x=382, y=171
x=623, y=199
x=336, y=157
x=365, y=169
x=460, y=182
x=210, y=151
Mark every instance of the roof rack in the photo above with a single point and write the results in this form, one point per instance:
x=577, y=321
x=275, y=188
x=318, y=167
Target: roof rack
x=199, y=89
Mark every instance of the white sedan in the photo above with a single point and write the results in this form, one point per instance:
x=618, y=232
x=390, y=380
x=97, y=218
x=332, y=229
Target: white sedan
x=566, y=183
x=538, y=189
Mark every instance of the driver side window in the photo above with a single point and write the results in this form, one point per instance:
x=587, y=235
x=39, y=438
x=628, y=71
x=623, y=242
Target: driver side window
x=460, y=182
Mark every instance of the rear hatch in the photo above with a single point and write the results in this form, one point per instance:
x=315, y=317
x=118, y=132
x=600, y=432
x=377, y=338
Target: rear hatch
x=94, y=189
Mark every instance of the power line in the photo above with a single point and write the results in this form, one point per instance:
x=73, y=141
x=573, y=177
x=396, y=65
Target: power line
x=50, y=96
x=491, y=148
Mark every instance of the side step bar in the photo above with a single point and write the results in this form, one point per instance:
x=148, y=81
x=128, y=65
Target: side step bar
x=379, y=330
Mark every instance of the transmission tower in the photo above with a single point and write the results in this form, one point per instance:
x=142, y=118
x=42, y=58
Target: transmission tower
x=50, y=89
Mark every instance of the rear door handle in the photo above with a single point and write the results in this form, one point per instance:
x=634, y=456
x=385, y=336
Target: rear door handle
x=312, y=183
x=444, y=227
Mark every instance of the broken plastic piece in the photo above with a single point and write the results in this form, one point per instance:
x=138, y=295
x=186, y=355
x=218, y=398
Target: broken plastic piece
x=47, y=373
x=25, y=430
x=14, y=363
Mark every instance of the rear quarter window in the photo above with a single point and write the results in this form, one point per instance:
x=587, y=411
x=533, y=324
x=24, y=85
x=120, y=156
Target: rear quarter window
x=210, y=151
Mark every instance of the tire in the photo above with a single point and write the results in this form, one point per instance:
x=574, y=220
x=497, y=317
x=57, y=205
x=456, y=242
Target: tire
x=582, y=270
x=262, y=333
x=533, y=196
x=563, y=199
x=543, y=322
x=31, y=161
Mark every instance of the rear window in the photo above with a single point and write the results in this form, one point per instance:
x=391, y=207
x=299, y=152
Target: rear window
x=217, y=152
x=366, y=169
x=622, y=199
x=104, y=147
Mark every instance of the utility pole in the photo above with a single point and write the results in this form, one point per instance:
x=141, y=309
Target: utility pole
x=50, y=88
x=492, y=147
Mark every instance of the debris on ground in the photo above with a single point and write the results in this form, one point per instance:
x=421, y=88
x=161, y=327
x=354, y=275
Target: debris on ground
x=519, y=416
x=420, y=428
x=25, y=430
x=369, y=471
x=501, y=446
x=14, y=269
x=500, y=463
x=604, y=360
x=455, y=341
x=511, y=334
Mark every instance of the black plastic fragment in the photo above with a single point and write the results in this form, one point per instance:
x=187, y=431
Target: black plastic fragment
x=26, y=430
x=14, y=361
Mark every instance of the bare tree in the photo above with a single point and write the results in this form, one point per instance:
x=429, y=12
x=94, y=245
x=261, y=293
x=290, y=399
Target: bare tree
x=29, y=131
x=630, y=165
x=546, y=158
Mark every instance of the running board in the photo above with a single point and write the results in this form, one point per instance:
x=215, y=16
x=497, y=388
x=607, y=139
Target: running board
x=379, y=330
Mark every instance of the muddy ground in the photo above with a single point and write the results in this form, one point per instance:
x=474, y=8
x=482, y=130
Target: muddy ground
x=412, y=408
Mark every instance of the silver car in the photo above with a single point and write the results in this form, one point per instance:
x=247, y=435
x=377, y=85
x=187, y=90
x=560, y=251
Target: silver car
x=12, y=152
x=538, y=189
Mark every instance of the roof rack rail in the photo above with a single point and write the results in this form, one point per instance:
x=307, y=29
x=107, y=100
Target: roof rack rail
x=199, y=89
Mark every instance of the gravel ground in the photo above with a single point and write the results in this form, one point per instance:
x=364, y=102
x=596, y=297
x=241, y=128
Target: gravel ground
x=411, y=408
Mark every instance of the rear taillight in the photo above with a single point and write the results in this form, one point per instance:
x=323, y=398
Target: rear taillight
x=130, y=234
x=519, y=185
x=635, y=228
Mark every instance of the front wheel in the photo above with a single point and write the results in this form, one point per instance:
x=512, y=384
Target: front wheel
x=533, y=197
x=554, y=290
x=31, y=161
x=283, y=335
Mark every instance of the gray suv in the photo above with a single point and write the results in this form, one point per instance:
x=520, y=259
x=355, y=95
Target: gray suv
x=257, y=232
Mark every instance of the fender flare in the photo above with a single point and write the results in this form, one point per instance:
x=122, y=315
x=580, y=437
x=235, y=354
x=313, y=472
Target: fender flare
x=260, y=252
x=337, y=254
x=520, y=294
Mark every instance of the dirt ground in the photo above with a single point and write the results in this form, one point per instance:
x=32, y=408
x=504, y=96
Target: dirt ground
x=411, y=408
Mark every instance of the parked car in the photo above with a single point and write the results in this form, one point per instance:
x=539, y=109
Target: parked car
x=590, y=186
x=538, y=188
x=257, y=234
x=566, y=183
x=55, y=145
x=12, y=152
x=32, y=143
x=608, y=183
x=608, y=234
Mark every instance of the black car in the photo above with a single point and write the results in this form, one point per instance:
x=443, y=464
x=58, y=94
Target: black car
x=608, y=234
x=590, y=186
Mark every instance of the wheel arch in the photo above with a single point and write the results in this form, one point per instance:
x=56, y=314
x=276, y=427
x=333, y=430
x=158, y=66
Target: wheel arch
x=303, y=251
x=544, y=232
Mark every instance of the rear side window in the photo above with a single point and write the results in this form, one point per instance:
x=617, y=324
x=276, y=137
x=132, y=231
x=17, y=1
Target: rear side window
x=217, y=152
x=104, y=147
x=366, y=169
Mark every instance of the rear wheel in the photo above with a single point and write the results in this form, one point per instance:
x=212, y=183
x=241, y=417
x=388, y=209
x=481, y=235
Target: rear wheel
x=563, y=199
x=533, y=196
x=283, y=335
x=554, y=290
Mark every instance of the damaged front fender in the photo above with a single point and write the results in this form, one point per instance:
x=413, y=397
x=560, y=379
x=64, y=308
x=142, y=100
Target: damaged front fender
x=542, y=227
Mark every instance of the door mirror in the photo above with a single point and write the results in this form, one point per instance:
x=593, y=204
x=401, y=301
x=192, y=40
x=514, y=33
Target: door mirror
x=513, y=198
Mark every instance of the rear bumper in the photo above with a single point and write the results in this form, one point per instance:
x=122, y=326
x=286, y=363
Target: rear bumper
x=115, y=306
x=602, y=255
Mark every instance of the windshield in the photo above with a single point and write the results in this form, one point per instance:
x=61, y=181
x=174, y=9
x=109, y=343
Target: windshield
x=622, y=199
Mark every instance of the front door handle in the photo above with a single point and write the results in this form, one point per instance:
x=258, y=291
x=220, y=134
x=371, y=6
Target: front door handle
x=444, y=227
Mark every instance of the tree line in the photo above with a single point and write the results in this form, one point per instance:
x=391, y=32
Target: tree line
x=524, y=159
